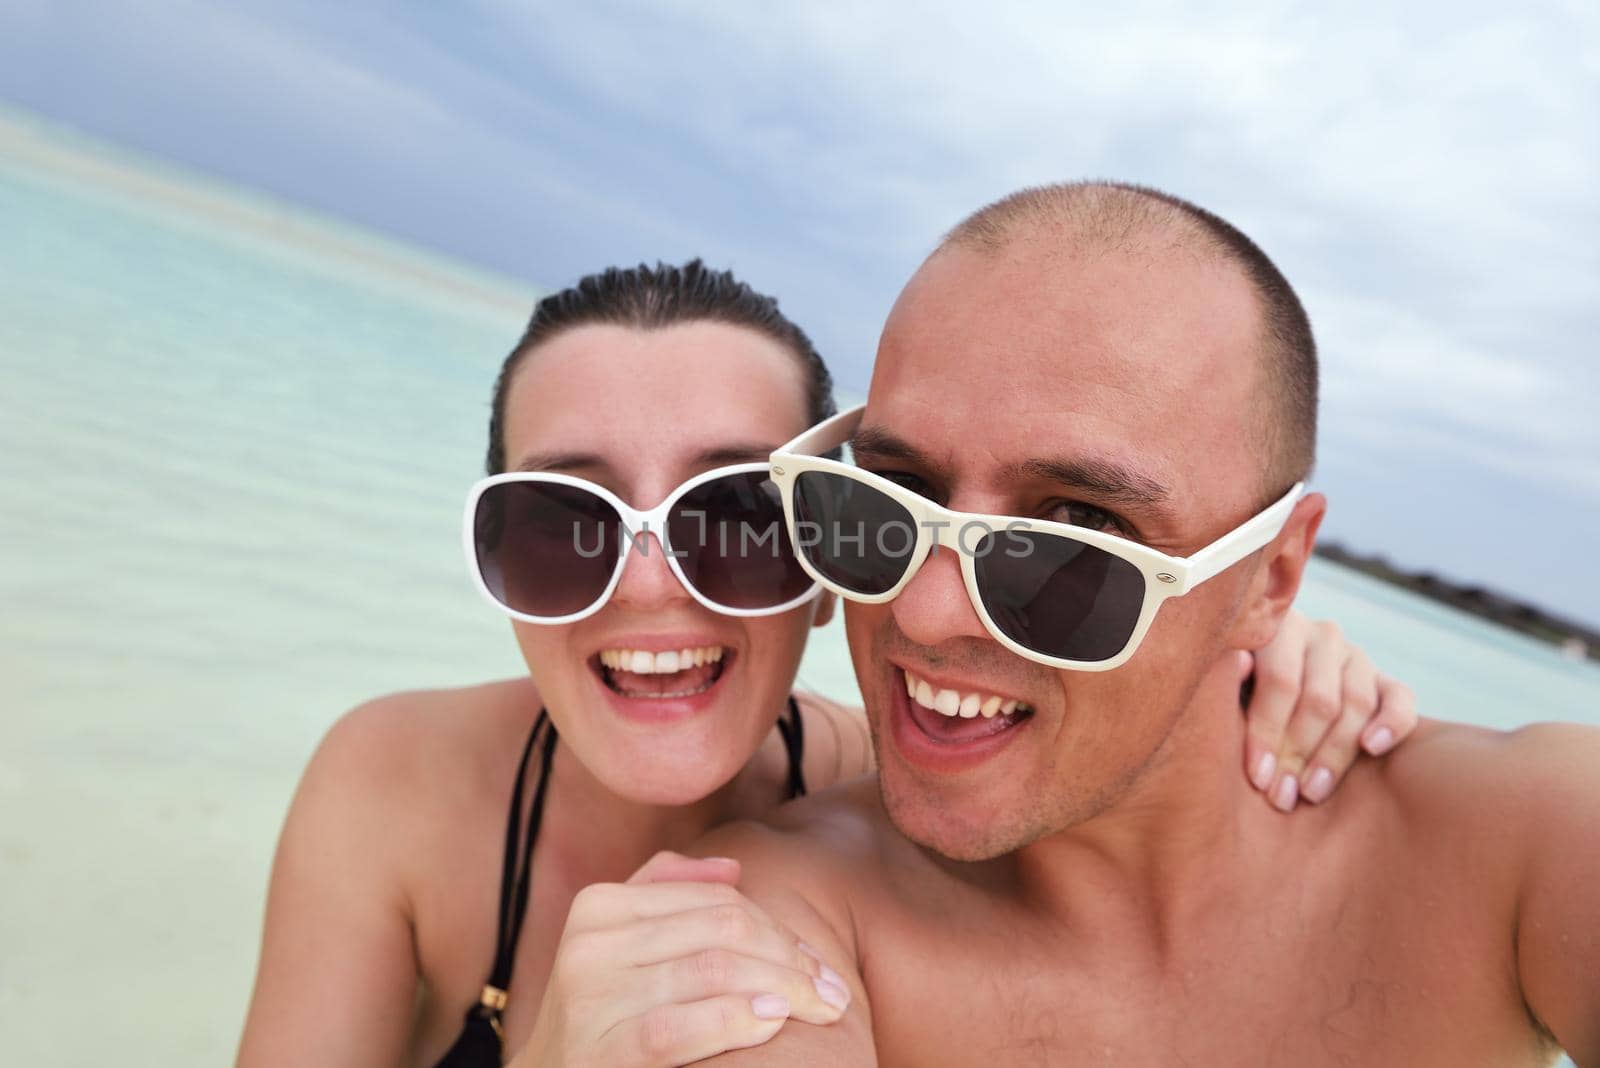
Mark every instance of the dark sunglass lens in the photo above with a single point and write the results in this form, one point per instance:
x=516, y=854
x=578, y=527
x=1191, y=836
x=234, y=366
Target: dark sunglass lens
x=545, y=549
x=855, y=534
x=729, y=540
x=1059, y=597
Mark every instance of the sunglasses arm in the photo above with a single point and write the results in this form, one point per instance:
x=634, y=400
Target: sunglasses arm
x=1239, y=542
x=826, y=435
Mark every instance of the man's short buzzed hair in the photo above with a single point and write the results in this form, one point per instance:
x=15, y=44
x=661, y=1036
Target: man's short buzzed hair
x=1117, y=215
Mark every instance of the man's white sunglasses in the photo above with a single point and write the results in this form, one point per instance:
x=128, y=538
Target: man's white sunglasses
x=1061, y=595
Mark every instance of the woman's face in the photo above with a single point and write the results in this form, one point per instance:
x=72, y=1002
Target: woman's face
x=639, y=412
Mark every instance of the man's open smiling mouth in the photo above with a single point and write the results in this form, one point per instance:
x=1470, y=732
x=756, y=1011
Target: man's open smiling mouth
x=949, y=727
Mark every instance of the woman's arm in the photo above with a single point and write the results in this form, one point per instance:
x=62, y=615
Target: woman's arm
x=337, y=978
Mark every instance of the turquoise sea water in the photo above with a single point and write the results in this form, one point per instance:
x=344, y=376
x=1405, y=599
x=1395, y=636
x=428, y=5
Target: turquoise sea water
x=233, y=448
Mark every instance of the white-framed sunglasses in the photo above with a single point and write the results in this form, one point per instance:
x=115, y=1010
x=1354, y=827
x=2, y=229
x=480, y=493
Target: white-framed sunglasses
x=550, y=548
x=1060, y=595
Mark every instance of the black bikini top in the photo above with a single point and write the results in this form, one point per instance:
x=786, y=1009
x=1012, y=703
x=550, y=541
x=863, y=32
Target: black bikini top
x=482, y=1040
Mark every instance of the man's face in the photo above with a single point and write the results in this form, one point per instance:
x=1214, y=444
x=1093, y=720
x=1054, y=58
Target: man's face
x=1132, y=377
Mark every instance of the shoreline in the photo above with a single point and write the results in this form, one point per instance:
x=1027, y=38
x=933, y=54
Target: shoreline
x=1575, y=640
x=40, y=145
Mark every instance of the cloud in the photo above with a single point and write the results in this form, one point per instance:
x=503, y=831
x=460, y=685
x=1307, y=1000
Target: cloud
x=1426, y=174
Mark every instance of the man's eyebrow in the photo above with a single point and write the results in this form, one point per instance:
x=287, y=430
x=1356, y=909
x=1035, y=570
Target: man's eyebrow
x=881, y=444
x=1108, y=480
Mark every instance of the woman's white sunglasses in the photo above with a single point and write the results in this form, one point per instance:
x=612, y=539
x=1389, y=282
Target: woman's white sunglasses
x=550, y=548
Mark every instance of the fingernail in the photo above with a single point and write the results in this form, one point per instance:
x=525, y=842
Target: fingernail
x=808, y=951
x=1288, y=791
x=834, y=977
x=720, y=860
x=1380, y=741
x=1265, y=767
x=833, y=993
x=770, y=1006
x=1319, y=786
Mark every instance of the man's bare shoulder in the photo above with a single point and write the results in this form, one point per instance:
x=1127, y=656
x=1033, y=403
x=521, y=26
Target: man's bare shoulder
x=1473, y=772
x=1511, y=795
x=1528, y=803
x=824, y=850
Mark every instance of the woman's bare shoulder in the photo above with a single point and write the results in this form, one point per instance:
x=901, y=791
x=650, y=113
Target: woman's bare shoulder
x=400, y=747
x=838, y=747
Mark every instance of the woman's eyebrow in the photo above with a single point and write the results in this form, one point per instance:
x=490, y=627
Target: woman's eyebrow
x=724, y=455
x=559, y=461
x=718, y=456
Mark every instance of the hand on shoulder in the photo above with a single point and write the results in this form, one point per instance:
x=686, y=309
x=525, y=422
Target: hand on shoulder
x=674, y=966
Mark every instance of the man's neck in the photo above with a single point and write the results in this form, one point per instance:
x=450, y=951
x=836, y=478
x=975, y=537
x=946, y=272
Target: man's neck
x=1169, y=846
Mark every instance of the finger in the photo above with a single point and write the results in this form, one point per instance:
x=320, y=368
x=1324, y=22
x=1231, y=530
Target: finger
x=1326, y=767
x=1245, y=665
x=680, y=1034
x=743, y=928
x=818, y=999
x=1395, y=719
x=1278, y=670
x=669, y=867
x=1315, y=710
x=605, y=905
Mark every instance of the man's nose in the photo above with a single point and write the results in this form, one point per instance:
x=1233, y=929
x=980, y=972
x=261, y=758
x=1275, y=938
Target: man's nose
x=934, y=606
x=647, y=581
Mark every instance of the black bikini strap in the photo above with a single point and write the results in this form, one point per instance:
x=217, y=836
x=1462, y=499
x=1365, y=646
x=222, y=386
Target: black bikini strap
x=482, y=1040
x=516, y=878
x=793, y=731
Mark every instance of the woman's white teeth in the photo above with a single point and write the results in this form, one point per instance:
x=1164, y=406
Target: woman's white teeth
x=967, y=706
x=640, y=662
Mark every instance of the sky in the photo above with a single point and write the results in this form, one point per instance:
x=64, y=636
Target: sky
x=1427, y=175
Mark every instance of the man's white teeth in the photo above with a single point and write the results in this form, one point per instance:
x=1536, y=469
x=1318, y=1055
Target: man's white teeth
x=640, y=662
x=967, y=706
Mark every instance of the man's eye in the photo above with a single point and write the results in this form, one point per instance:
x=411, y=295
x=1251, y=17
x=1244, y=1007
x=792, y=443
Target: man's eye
x=1079, y=514
x=907, y=480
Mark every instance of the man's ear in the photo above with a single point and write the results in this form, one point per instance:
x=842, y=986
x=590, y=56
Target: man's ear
x=823, y=612
x=1276, y=581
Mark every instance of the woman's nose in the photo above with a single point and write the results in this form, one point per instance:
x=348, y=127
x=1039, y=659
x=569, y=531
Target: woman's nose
x=648, y=580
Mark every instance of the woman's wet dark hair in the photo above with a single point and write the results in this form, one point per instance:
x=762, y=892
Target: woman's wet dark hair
x=647, y=298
